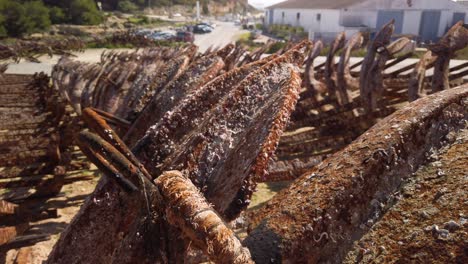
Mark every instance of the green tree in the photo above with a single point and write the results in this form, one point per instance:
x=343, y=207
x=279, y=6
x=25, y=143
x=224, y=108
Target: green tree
x=57, y=15
x=84, y=12
x=16, y=22
x=127, y=6
x=23, y=18
x=38, y=15
x=140, y=2
x=3, y=32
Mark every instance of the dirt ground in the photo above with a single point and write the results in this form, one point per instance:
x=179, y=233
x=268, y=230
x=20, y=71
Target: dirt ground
x=72, y=197
x=67, y=203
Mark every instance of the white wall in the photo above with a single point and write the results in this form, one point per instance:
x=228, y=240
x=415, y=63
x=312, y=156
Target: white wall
x=403, y=4
x=365, y=13
x=329, y=21
x=446, y=18
x=411, y=22
x=413, y=13
x=368, y=17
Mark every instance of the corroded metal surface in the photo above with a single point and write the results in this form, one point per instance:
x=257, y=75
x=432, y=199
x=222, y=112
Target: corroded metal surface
x=323, y=123
x=455, y=39
x=31, y=50
x=199, y=73
x=428, y=222
x=220, y=126
x=122, y=82
x=135, y=218
x=29, y=131
x=187, y=209
x=33, y=120
x=323, y=212
x=193, y=108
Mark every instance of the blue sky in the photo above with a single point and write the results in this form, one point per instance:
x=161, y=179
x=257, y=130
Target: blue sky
x=264, y=3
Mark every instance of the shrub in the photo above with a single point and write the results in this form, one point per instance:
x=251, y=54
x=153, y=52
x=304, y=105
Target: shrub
x=84, y=12
x=57, y=16
x=38, y=15
x=73, y=31
x=287, y=32
x=127, y=6
x=140, y=20
x=15, y=23
x=20, y=19
x=276, y=47
x=3, y=32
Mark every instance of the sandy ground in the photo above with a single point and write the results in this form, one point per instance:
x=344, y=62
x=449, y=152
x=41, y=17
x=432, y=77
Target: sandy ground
x=67, y=203
x=72, y=196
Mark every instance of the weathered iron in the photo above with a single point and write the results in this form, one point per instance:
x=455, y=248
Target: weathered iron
x=318, y=217
x=319, y=127
x=244, y=110
x=455, y=39
x=219, y=125
x=188, y=210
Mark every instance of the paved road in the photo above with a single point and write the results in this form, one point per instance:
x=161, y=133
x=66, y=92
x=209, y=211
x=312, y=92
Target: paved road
x=223, y=34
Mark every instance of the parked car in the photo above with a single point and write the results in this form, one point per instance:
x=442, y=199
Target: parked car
x=206, y=24
x=185, y=36
x=202, y=29
x=162, y=36
x=144, y=32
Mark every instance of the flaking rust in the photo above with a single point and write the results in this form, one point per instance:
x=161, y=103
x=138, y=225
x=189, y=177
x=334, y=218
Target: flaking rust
x=122, y=82
x=186, y=117
x=219, y=125
x=200, y=72
x=32, y=121
x=323, y=123
x=187, y=209
x=207, y=152
x=262, y=105
x=318, y=217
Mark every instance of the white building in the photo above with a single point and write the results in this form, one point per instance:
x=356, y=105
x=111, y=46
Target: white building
x=426, y=19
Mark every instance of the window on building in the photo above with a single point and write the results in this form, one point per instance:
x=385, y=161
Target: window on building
x=298, y=16
x=282, y=14
x=319, y=17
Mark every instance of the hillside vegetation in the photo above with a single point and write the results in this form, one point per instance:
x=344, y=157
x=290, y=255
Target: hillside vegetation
x=22, y=17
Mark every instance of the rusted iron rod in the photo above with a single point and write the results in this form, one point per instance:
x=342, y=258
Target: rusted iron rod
x=187, y=209
x=115, y=120
x=100, y=126
x=113, y=163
